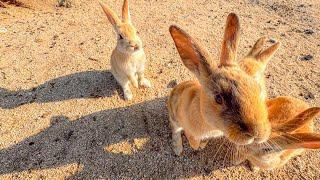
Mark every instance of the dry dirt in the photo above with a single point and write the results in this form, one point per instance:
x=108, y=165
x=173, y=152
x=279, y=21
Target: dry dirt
x=62, y=114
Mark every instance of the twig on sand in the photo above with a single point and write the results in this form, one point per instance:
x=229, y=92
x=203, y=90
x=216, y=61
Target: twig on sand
x=2, y=5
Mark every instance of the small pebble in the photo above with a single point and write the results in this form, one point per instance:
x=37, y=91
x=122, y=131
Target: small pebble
x=307, y=57
x=3, y=30
x=308, y=31
x=272, y=40
x=172, y=83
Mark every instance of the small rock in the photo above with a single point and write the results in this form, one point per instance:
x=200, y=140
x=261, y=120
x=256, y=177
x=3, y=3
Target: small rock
x=272, y=40
x=309, y=95
x=3, y=30
x=308, y=31
x=172, y=83
x=307, y=57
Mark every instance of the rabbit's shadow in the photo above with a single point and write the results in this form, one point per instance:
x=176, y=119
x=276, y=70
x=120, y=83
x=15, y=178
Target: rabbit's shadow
x=87, y=141
x=89, y=84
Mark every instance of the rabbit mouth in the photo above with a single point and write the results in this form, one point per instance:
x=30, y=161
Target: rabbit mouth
x=134, y=48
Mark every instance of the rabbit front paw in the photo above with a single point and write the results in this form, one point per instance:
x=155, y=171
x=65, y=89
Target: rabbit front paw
x=145, y=83
x=128, y=95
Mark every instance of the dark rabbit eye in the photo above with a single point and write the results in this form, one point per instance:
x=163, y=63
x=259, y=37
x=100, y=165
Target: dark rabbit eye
x=218, y=98
x=120, y=36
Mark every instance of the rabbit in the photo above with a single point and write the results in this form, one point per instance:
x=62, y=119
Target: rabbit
x=292, y=132
x=254, y=64
x=128, y=59
x=225, y=101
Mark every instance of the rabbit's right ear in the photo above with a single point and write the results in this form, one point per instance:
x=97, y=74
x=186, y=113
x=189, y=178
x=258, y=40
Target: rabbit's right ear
x=125, y=12
x=263, y=55
x=112, y=17
x=193, y=56
x=299, y=120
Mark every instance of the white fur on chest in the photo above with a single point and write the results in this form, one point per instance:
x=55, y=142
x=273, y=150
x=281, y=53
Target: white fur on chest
x=210, y=135
x=136, y=61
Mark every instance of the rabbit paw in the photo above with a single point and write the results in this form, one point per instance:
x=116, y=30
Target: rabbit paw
x=145, y=83
x=203, y=144
x=253, y=167
x=178, y=150
x=128, y=95
x=135, y=84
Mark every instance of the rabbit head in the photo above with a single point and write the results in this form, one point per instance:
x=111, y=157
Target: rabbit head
x=231, y=98
x=254, y=64
x=128, y=41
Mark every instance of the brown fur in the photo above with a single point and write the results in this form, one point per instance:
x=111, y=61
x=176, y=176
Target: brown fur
x=222, y=102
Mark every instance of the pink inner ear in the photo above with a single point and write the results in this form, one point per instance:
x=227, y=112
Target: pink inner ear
x=185, y=47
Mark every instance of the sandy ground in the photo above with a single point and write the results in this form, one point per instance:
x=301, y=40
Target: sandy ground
x=62, y=114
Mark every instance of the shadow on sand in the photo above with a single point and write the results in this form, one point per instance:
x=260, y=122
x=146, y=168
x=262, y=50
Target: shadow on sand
x=83, y=141
x=88, y=84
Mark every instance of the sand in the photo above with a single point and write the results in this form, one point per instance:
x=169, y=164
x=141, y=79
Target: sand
x=62, y=115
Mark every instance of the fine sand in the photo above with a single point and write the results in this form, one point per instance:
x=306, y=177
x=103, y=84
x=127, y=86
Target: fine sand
x=62, y=114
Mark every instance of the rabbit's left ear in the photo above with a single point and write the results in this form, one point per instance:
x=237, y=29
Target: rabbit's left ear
x=230, y=41
x=297, y=140
x=125, y=12
x=300, y=120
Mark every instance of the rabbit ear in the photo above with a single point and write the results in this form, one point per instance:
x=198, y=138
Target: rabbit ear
x=299, y=120
x=230, y=41
x=112, y=17
x=125, y=12
x=260, y=55
x=287, y=141
x=297, y=140
x=257, y=47
x=193, y=56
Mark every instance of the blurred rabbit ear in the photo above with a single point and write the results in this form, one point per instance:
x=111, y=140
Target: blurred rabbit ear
x=300, y=120
x=260, y=55
x=230, y=41
x=125, y=12
x=193, y=56
x=297, y=140
x=112, y=17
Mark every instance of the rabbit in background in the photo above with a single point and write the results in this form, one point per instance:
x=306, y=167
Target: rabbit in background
x=128, y=59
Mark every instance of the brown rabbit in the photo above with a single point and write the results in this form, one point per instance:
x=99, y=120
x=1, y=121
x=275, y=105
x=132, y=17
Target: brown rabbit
x=226, y=100
x=254, y=64
x=128, y=58
x=292, y=132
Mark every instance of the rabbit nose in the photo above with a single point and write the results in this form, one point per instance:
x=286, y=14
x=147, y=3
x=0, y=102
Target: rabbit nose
x=246, y=128
x=132, y=44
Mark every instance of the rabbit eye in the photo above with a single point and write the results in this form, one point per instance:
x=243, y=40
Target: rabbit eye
x=218, y=98
x=120, y=36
